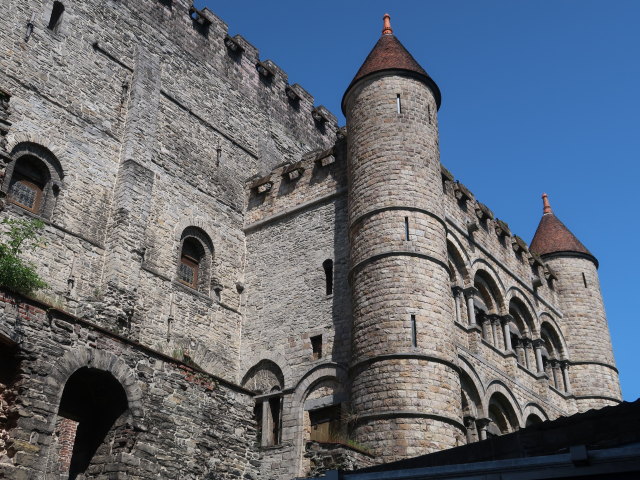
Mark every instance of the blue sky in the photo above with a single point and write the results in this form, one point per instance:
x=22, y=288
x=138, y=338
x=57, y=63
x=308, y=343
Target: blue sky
x=537, y=96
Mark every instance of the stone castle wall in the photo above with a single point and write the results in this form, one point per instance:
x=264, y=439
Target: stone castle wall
x=162, y=124
x=159, y=436
x=156, y=126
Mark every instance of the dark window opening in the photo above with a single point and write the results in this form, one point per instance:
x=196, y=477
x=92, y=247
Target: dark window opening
x=414, y=332
x=166, y=3
x=406, y=228
x=56, y=16
x=27, y=184
x=328, y=273
x=274, y=411
x=257, y=412
x=92, y=401
x=584, y=279
x=398, y=104
x=533, y=419
x=190, y=258
x=316, y=346
x=325, y=424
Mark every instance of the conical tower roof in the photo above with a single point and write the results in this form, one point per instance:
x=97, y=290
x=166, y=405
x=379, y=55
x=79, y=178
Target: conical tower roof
x=552, y=236
x=389, y=54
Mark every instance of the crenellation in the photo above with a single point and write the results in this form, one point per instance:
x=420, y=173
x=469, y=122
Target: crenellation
x=251, y=286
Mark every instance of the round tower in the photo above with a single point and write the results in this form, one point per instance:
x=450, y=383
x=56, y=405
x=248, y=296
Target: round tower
x=405, y=390
x=593, y=375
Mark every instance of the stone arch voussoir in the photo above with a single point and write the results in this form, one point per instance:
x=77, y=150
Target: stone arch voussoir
x=535, y=409
x=496, y=386
x=75, y=359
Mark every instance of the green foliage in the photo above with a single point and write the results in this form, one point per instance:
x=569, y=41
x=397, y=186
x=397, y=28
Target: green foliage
x=15, y=273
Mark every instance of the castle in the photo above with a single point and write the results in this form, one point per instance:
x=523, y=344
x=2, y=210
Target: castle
x=239, y=288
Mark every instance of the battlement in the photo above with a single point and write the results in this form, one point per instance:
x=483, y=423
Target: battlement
x=211, y=37
x=319, y=174
x=478, y=216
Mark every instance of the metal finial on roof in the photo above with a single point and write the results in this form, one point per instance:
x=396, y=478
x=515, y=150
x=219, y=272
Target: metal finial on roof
x=386, y=30
x=546, y=204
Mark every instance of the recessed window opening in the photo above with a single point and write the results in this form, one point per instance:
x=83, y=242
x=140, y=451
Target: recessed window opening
x=167, y=3
x=406, y=228
x=414, y=332
x=398, y=104
x=584, y=279
x=192, y=254
x=274, y=411
x=27, y=184
x=328, y=274
x=316, y=346
x=56, y=16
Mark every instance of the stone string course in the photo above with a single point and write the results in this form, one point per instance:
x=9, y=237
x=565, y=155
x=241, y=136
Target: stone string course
x=161, y=124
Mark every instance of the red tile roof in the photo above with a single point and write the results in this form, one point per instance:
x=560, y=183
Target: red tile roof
x=389, y=54
x=552, y=236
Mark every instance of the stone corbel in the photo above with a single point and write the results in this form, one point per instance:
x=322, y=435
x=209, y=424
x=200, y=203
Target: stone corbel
x=292, y=93
x=262, y=185
x=483, y=212
x=265, y=70
x=326, y=160
x=472, y=227
x=199, y=16
x=502, y=228
x=321, y=115
x=293, y=171
x=536, y=282
x=519, y=245
x=462, y=193
x=341, y=133
x=549, y=273
x=535, y=260
x=233, y=45
x=447, y=176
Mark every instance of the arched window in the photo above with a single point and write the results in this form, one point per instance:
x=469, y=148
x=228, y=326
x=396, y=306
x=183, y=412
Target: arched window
x=27, y=184
x=33, y=179
x=521, y=332
x=471, y=407
x=328, y=275
x=502, y=415
x=533, y=419
x=487, y=305
x=267, y=378
x=194, y=263
x=191, y=256
x=56, y=16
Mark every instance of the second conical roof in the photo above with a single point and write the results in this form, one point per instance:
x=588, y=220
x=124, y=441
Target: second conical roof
x=552, y=236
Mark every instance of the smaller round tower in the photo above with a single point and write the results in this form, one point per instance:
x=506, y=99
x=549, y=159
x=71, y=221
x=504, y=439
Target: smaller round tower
x=592, y=370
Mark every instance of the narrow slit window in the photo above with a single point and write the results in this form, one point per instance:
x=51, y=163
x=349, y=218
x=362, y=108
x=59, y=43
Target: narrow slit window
x=328, y=274
x=316, y=347
x=406, y=228
x=584, y=280
x=414, y=332
x=398, y=104
x=56, y=16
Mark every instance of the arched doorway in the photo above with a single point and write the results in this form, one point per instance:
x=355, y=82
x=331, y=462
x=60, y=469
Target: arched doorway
x=92, y=402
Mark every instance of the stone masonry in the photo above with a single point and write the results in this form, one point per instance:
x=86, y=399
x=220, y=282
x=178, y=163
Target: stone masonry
x=239, y=288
